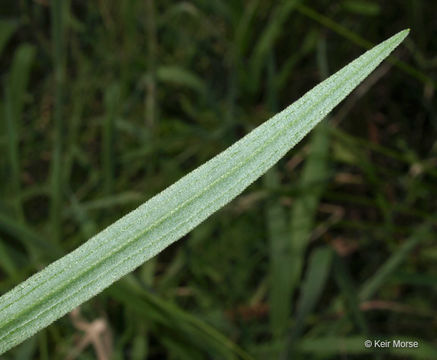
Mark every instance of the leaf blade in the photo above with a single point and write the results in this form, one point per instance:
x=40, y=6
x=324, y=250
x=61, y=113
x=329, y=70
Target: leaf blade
x=168, y=216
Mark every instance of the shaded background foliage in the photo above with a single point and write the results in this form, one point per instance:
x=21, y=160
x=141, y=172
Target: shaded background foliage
x=105, y=103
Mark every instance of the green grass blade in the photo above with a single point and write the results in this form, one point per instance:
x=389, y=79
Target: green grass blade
x=151, y=101
x=242, y=31
x=7, y=29
x=367, y=8
x=167, y=317
x=349, y=293
x=112, y=100
x=19, y=77
x=59, y=14
x=278, y=235
x=357, y=39
x=372, y=285
x=15, y=91
x=315, y=279
x=267, y=39
x=182, y=77
x=36, y=245
x=168, y=216
x=6, y=262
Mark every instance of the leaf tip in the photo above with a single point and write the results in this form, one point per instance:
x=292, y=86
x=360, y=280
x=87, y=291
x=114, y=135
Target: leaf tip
x=398, y=38
x=404, y=33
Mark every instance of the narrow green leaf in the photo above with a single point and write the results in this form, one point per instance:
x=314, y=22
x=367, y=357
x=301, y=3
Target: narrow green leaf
x=166, y=317
x=357, y=39
x=112, y=104
x=242, y=31
x=369, y=8
x=180, y=76
x=7, y=29
x=59, y=13
x=15, y=91
x=168, y=216
x=268, y=38
x=280, y=255
x=349, y=293
x=6, y=262
x=19, y=77
x=372, y=285
x=315, y=279
x=35, y=245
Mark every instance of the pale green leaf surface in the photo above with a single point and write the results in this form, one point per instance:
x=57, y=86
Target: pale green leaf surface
x=168, y=216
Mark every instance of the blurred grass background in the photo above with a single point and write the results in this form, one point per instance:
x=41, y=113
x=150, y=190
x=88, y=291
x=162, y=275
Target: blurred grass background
x=105, y=103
